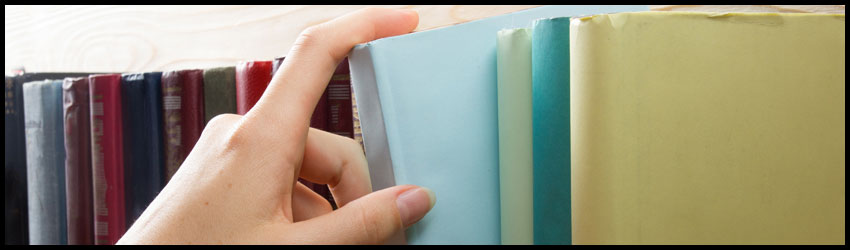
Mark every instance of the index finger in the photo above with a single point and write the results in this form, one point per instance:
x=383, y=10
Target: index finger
x=295, y=89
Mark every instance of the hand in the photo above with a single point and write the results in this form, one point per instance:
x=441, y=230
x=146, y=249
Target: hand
x=239, y=184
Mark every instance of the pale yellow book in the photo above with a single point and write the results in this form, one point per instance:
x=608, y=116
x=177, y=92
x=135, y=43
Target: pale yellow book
x=513, y=87
x=708, y=128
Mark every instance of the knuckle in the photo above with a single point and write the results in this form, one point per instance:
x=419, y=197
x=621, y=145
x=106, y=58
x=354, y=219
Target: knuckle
x=222, y=120
x=309, y=37
x=237, y=136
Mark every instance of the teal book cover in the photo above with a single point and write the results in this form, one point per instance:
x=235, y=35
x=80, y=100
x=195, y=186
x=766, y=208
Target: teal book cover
x=428, y=113
x=550, y=70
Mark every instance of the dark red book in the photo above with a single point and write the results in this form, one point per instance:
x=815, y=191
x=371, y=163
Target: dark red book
x=252, y=77
x=319, y=120
x=78, y=168
x=340, y=120
x=183, y=112
x=107, y=157
x=192, y=122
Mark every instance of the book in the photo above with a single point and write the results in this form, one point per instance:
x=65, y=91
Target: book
x=319, y=120
x=550, y=60
x=355, y=117
x=144, y=164
x=16, y=218
x=338, y=97
x=219, y=92
x=252, y=77
x=78, y=165
x=45, y=162
x=513, y=90
x=14, y=164
x=427, y=106
x=183, y=113
x=107, y=157
x=708, y=128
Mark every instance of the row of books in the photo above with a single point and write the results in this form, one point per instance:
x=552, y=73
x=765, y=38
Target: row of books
x=86, y=153
x=563, y=125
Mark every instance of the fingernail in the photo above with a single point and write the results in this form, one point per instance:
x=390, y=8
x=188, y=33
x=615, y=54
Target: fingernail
x=413, y=204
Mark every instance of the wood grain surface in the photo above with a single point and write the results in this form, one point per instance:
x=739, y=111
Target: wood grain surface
x=156, y=38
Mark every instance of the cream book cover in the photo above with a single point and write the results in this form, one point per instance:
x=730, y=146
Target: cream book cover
x=513, y=91
x=708, y=128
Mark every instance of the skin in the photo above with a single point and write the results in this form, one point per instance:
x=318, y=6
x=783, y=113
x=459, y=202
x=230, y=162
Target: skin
x=239, y=184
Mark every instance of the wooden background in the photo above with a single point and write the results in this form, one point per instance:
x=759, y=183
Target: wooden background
x=156, y=38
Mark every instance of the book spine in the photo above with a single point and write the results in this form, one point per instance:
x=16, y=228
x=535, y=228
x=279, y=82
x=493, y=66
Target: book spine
x=78, y=170
x=192, y=110
x=172, y=90
x=45, y=162
x=339, y=102
x=143, y=169
x=513, y=88
x=107, y=157
x=15, y=164
x=371, y=118
x=219, y=92
x=550, y=60
x=251, y=80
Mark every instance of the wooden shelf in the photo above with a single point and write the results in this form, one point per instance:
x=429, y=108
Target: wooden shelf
x=156, y=38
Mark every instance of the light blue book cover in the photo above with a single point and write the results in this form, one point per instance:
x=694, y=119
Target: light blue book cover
x=428, y=111
x=45, y=143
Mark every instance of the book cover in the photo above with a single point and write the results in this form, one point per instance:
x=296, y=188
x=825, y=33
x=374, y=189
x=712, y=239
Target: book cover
x=192, y=109
x=708, y=128
x=45, y=162
x=219, y=92
x=513, y=90
x=434, y=93
x=550, y=60
x=107, y=157
x=144, y=164
x=78, y=169
x=252, y=77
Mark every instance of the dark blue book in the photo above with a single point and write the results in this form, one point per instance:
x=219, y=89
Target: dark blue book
x=45, y=150
x=143, y=148
x=15, y=165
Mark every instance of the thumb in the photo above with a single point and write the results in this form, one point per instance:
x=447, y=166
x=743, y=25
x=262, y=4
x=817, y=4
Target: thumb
x=373, y=218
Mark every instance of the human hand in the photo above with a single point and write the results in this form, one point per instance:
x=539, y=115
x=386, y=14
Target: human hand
x=239, y=184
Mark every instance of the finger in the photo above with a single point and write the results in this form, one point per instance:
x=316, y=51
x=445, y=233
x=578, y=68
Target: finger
x=293, y=92
x=307, y=204
x=372, y=219
x=337, y=161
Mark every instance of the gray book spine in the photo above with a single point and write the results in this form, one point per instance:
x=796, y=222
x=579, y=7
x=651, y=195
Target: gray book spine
x=45, y=146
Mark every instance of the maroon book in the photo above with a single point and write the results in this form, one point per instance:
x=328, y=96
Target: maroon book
x=319, y=120
x=192, y=122
x=252, y=78
x=183, y=113
x=107, y=157
x=340, y=120
x=78, y=170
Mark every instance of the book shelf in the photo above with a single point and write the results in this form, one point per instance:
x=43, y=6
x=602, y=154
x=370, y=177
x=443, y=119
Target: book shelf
x=157, y=38
x=191, y=38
